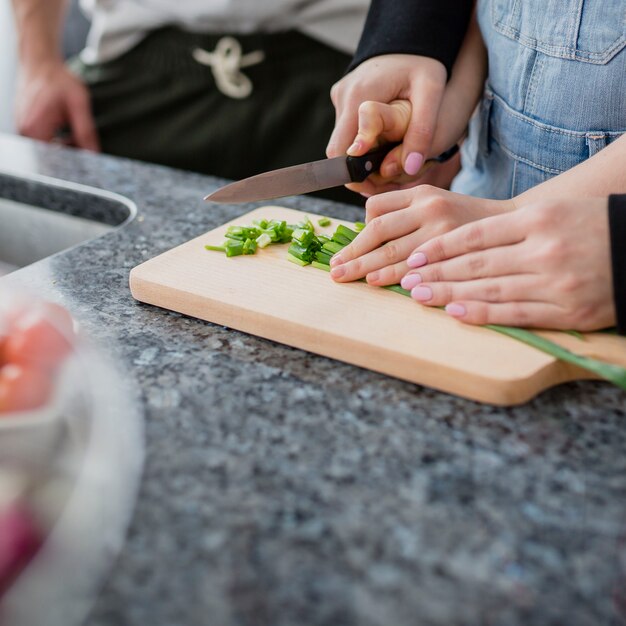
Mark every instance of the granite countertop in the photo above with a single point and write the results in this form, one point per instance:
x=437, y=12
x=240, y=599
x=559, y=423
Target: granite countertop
x=282, y=488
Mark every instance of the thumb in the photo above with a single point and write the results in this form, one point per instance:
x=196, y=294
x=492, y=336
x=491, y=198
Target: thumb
x=81, y=121
x=426, y=100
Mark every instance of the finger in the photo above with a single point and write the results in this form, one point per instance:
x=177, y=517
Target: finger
x=387, y=203
x=426, y=97
x=493, y=262
x=81, y=121
x=379, y=123
x=501, y=289
x=346, y=127
x=388, y=254
x=377, y=232
x=388, y=275
x=376, y=185
x=490, y=232
x=524, y=314
x=391, y=167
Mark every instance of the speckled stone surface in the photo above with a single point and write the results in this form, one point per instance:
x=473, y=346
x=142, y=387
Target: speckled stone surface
x=283, y=488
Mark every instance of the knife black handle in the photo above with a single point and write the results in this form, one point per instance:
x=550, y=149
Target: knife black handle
x=361, y=167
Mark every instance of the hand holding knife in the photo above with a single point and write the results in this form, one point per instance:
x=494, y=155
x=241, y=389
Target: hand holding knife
x=313, y=176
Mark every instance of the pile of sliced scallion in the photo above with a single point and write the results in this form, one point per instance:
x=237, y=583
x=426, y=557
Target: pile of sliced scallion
x=308, y=248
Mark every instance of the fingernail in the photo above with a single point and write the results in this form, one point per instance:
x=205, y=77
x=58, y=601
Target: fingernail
x=391, y=170
x=366, y=195
x=413, y=163
x=422, y=294
x=338, y=272
x=410, y=280
x=373, y=277
x=354, y=147
x=456, y=310
x=417, y=260
x=336, y=260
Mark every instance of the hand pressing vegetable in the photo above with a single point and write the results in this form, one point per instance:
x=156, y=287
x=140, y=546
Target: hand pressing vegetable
x=398, y=222
x=545, y=265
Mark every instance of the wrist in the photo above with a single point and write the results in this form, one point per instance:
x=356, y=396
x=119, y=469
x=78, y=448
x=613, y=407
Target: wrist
x=41, y=66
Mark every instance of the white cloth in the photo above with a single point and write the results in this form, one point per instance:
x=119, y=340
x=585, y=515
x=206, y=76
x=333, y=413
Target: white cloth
x=117, y=25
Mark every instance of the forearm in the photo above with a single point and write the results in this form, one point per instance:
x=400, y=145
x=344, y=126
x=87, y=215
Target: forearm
x=464, y=89
x=601, y=175
x=39, y=30
x=431, y=28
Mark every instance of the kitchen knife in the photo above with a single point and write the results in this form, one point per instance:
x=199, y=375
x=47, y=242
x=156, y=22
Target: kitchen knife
x=313, y=176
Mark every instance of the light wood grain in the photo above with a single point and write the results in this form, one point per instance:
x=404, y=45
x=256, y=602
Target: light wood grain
x=268, y=296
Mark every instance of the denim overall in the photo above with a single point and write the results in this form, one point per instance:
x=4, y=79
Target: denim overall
x=555, y=96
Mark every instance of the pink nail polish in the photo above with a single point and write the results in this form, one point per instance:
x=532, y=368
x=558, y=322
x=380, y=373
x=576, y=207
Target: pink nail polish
x=422, y=294
x=417, y=260
x=410, y=280
x=338, y=272
x=413, y=163
x=456, y=310
x=336, y=260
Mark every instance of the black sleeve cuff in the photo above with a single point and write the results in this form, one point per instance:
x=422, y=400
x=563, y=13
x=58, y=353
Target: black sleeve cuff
x=617, y=229
x=431, y=28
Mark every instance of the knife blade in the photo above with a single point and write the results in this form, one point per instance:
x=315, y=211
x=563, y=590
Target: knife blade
x=307, y=177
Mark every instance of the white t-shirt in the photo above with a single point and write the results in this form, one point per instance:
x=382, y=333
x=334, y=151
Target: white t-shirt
x=117, y=25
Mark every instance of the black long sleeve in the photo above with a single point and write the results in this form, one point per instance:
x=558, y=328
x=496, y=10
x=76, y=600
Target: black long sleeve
x=432, y=28
x=617, y=227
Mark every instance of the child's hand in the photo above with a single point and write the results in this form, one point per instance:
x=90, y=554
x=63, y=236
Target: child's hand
x=380, y=124
x=546, y=265
x=400, y=221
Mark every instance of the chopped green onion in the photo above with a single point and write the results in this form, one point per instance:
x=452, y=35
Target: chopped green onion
x=303, y=237
x=359, y=226
x=345, y=232
x=340, y=239
x=333, y=247
x=263, y=240
x=324, y=221
x=323, y=257
x=321, y=266
x=234, y=248
x=249, y=246
x=216, y=248
x=296, y=260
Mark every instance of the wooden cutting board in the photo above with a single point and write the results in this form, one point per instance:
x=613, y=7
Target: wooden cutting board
x=268, y=296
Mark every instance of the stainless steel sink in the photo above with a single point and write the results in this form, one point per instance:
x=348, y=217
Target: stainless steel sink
x=41, y=216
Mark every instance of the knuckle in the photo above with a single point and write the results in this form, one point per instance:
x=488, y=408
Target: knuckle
x=445, y=293
x=493, y=292
x=570, y=284
x=436, y=249
x=390, y=252
x=520, y=315
x=368, y=107
x=355, y=268
x=554, y=251
x=376, y=227
x=475, y=236
x=476, y=264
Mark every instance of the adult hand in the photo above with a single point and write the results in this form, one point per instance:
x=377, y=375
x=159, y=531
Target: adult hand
x=546, y=265
x=51, y=98
x=400, y=221
x=420, y=80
